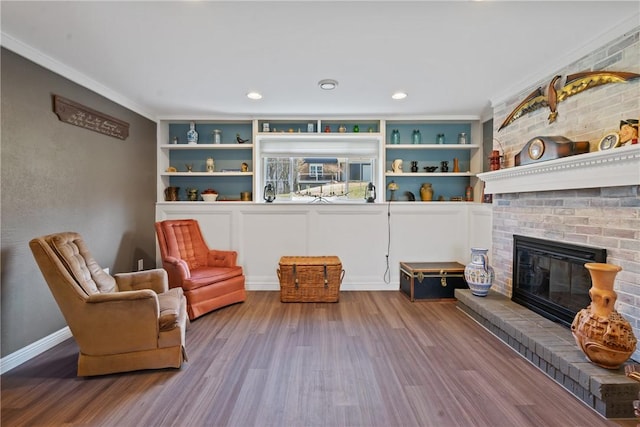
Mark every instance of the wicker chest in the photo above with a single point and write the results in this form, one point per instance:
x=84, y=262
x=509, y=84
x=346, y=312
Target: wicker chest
x=310, y=278
x=431, y=280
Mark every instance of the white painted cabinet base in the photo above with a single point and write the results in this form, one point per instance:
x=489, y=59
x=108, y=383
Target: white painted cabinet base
x=358, y=234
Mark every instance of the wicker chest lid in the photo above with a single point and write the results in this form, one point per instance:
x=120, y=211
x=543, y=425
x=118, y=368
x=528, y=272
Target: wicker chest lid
x=310, y=260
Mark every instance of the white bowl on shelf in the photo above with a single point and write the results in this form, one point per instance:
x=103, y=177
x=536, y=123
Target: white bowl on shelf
x=209, y=197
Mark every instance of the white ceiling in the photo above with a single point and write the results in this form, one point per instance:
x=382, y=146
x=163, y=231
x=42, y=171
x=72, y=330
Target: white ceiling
x=200, y=58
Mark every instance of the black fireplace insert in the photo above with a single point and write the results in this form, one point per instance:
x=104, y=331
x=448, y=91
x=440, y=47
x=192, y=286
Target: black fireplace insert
x=549, y=277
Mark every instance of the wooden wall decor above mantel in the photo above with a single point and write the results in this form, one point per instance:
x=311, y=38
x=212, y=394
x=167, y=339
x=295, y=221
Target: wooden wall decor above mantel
x=79, y=115
x=574, y=84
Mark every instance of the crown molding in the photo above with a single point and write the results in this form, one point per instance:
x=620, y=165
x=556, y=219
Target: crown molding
x=72, y=74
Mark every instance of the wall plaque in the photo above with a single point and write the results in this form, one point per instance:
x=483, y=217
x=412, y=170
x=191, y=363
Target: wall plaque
x=79, y=115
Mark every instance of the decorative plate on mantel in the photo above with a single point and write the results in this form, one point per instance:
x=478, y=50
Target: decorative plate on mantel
x=543, y=148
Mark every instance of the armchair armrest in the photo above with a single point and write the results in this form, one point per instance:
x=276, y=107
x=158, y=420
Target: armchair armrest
x=119, y=322
x=155, y=280
x=217, y=258
x=178, y=266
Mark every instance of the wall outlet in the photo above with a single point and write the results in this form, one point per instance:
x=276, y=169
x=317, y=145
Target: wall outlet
x=140, y=264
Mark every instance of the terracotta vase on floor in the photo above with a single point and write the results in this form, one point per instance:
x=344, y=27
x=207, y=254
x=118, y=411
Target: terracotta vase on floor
x=604, y=336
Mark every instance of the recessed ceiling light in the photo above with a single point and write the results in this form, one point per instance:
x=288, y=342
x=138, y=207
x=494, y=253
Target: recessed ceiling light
x=327, y=84
x=399, y=95
x=254, y=95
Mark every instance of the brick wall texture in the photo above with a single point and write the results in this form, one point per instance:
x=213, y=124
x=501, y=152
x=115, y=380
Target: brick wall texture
x=602, y=217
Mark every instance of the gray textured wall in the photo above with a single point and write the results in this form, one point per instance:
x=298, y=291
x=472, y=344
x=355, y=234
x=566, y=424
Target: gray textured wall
x=59, y=177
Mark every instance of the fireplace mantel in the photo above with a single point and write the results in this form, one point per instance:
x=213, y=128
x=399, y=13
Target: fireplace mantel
x=610, y=168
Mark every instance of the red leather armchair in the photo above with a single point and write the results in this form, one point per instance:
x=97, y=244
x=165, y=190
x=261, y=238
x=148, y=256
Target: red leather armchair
x=210, y=278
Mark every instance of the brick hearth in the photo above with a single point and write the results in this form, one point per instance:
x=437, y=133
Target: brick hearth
x=551, y=348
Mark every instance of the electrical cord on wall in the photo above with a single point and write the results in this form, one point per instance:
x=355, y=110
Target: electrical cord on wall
x=387, y=272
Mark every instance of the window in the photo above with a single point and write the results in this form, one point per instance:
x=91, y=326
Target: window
x=326, y=179
x=318, y=168
x=315, y=171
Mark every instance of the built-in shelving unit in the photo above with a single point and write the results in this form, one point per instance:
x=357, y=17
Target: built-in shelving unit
x=320, y=136
x=430, y=153
x=229, y=156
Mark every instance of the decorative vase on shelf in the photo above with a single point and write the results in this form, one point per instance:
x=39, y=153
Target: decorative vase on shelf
x=395, y=136
x=416, y=137
x=456, y=165
x=426, y=192
x=171, y=194
x=478, y=273
x=602, y=334
x=192, y=135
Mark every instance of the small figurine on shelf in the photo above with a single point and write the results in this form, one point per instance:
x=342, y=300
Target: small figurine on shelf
x=440, y=138
x=414, y=166
x=192, y=135
x=210, y=164
x=444, y=166
x=240, y=140
x=189, y=167
x=244, y=167
x=192, y=194
x=396, y=166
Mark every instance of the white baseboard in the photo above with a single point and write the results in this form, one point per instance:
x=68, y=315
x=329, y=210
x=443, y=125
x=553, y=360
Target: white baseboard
x=17, y=358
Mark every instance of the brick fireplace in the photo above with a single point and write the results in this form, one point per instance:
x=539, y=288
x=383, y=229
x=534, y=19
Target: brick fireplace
x=590, y=199
x=607, y=217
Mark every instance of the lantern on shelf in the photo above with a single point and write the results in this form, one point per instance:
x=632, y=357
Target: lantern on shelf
x=370, y=193
x=269, y=193
x=393, y=187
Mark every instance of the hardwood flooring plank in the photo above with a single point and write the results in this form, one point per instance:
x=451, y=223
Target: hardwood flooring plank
x=373, y=359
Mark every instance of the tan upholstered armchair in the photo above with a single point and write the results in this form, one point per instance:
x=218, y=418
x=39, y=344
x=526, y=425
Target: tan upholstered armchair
x=124, y=323
x=210, y=278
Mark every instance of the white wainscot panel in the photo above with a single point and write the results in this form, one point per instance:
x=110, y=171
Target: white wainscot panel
x=357, y=236
x=480, y=229
x=437, y=234
x=266, y=235
x=216, y=226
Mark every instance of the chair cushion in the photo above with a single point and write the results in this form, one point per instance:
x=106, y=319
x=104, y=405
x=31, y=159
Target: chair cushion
x=204, y=276
x=169, y=308
x=79, y=262
x=185, y=241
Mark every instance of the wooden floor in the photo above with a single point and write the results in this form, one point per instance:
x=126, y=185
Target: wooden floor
x=373, y=359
